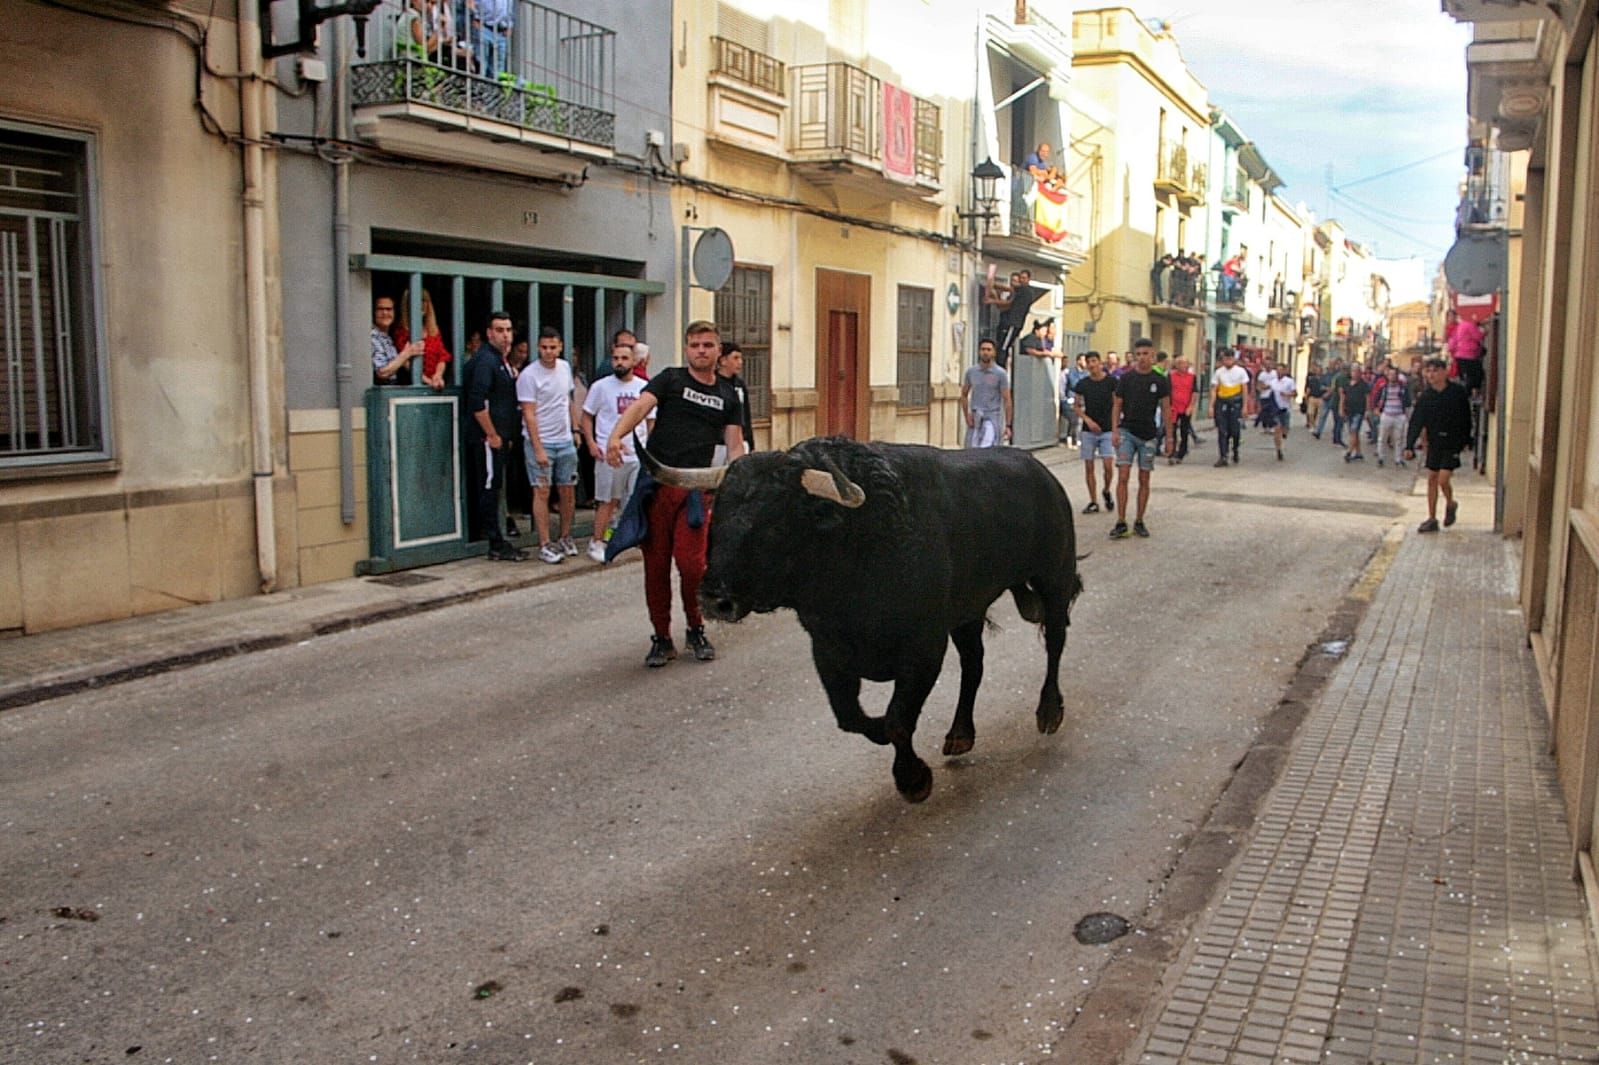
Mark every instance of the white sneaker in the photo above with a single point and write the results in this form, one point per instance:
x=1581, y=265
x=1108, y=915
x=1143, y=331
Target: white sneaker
x=597, y=550
x=567, y=546
x=551, y=553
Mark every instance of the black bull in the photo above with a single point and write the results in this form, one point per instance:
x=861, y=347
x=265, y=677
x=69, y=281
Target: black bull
x=887, y=552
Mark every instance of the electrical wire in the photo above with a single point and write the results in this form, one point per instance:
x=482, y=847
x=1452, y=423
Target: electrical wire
x=1396, y=170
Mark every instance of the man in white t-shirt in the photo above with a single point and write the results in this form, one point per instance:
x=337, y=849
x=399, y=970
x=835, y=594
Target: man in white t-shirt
x=1265, y=404
x=1283, y=391
x=1227, y=387
x=607, y=399
x=549, y=411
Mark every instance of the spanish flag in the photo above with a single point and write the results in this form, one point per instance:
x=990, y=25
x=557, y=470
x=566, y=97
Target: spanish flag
x=1049, y=214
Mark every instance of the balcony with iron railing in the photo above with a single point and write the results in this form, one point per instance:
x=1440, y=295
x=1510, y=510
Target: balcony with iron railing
x=1198, y=182
x=745, y=65
x=1052, y=232
x=837, y=128
x=1171, y=168
x=748, y=93
x=1235, y=197
x=545, y=79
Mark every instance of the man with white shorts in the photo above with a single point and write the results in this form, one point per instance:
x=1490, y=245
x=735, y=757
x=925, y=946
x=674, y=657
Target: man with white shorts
x=607, y=399
x=986, y=399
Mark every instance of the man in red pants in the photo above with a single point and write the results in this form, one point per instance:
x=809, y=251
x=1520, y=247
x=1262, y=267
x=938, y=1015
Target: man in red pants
x=695, y=410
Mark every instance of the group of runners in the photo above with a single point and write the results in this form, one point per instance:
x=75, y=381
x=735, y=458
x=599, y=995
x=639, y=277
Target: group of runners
x=1122, y=416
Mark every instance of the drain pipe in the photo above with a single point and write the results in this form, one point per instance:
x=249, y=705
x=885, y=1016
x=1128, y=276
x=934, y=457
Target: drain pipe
x=341, y=279
x=255, y=295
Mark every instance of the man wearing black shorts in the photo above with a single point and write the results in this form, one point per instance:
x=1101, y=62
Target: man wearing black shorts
x=1443, y=413
x=695, y=410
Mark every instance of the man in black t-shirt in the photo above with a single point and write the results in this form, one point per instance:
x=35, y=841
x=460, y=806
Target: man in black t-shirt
x=695, y=410
x=1353, y=395
x=1095, y=398
x=1013, y=315
x=492, y=428
x=1141, y=408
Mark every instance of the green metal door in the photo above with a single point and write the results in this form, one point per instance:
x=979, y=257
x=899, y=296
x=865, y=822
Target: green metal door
x=414, y=497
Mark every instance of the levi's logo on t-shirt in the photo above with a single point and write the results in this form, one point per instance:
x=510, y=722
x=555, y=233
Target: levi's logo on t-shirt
x=702, y=400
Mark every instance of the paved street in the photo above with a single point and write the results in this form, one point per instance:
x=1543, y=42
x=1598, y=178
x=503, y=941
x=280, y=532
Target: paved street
x=487, y=833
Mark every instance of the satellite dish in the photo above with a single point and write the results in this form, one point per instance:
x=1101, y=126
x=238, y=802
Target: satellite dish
x=713, y=259
x=1475, y=266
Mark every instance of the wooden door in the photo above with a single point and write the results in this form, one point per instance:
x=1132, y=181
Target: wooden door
x=843, y=352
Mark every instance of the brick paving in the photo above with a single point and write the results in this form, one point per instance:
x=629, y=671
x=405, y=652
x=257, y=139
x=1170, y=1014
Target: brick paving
x=1407, y=894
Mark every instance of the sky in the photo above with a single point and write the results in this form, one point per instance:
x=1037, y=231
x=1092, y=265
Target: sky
x=1365, y=87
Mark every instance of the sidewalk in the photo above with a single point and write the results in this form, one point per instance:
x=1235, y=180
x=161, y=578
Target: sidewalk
x=1406, y=893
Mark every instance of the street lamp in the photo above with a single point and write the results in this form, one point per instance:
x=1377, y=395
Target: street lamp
x=984, y=197
x=289, y=26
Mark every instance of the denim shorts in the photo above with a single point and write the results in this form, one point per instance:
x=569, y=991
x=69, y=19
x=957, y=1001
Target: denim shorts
x=562, y=469
x=1132, y=448
x=1096, y=445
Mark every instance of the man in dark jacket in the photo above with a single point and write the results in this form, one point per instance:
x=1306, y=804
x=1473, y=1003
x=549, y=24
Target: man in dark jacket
x=492, y=427
x=1443, y=413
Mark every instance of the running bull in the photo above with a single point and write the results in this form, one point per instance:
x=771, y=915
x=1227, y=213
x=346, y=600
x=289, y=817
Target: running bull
x=887, y=552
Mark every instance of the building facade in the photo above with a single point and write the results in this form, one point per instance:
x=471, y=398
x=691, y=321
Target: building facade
x=1533, y=89
x=140, y=467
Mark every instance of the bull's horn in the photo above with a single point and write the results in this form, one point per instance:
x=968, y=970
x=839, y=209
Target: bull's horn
x=707, y=478
x=833, y=485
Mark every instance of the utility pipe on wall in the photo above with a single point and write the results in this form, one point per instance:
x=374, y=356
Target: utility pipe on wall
x=255, y=296
x=341, y=280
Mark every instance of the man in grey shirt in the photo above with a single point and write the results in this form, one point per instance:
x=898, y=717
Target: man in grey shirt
x=986, y=400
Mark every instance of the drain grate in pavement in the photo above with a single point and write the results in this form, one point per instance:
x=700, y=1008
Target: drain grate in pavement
x=1340, y=506
x=1099, y=928
x=402, y=580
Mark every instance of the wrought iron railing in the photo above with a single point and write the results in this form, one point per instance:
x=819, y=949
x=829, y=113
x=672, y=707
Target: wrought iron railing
x=839, y=108
x=1236, y=195
x=541, y=70
x=1198, y=180
x=1173, y=165
x=755, y=69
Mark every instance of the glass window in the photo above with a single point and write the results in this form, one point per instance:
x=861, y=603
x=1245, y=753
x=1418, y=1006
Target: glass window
x=744, y=315
x=915, y=346
x=52, y=406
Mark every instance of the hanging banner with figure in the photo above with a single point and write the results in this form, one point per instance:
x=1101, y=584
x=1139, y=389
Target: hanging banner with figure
x=899, y=134
x=1049, y=213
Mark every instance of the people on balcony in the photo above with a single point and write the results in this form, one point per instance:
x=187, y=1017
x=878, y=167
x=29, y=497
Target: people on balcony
x=492, y=27
x=1037, y=162
x=1174, y=279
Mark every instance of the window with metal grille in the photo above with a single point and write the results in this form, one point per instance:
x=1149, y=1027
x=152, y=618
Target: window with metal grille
x=52, y=405
x=915, y=346
x=744, y=316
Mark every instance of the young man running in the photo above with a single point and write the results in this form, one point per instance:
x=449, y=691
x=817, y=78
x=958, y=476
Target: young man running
x=1227, y=386
x=1095, y=396
x=1443, y=413
x=1141, y=396
x=1352, y=399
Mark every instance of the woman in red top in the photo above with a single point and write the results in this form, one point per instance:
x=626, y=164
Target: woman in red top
x=435, y=356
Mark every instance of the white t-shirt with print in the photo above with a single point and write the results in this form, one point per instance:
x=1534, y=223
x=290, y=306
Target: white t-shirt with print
x=1284, y=389
x=550, y=392
x=608, y=398
x=1264, y=382
x=1229, y=381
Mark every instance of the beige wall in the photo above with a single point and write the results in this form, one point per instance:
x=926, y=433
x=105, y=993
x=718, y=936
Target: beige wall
x=327, y=548
x=172, y=523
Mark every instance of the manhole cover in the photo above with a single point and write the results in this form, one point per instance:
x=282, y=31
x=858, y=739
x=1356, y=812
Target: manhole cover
x=1099, y=928
x=402, y=580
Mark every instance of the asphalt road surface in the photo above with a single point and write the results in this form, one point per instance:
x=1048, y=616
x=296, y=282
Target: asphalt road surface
x=489, y=834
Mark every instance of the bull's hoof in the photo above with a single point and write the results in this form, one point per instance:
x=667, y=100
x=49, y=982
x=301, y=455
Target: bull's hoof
x=955, y=745
x=916, y=784
x=1051, y=712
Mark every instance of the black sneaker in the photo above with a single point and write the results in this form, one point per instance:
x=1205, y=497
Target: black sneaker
x=703, y=651
x=1428, y=526
x=1110, y=504
x=1092, y=508
x=1141, y=529
x=1119, y=531
x=507, y=553
x=1449, y=513
x=510, y=527
x=1221, y=462
x=662, y=651
x=1235, y=458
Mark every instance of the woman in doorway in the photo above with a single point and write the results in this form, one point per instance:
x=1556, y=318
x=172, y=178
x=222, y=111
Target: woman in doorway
x=435, y=356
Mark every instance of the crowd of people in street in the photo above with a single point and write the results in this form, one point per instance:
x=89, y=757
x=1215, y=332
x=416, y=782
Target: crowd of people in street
x=1124, y=414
